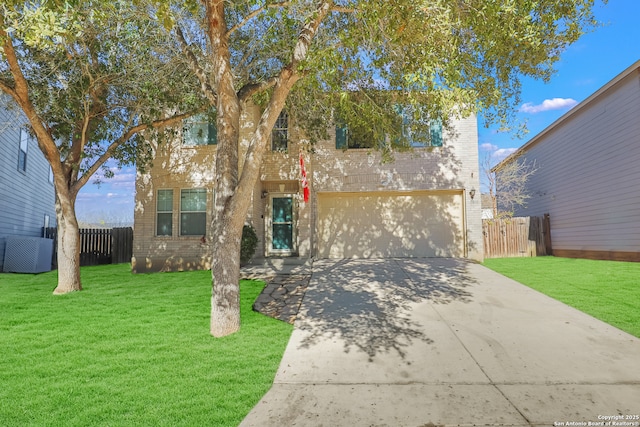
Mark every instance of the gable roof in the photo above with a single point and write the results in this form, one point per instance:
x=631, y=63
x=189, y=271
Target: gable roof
x=635, y=67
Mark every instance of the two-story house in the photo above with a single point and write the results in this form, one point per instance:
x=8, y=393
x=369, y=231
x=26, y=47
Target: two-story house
x=27, y=194
x=423, y=204
x=588, y=175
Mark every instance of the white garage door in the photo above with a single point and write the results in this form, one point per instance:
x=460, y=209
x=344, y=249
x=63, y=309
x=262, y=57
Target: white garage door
x=390, y=224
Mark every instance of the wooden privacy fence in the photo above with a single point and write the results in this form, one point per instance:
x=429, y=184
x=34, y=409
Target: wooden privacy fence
x=516, y=237
x=99, y=245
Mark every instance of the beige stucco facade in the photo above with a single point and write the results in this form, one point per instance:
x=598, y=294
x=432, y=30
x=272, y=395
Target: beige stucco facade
x=421, y=204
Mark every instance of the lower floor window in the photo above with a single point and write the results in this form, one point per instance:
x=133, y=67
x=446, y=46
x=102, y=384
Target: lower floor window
x=164, y=212
x=193, y=212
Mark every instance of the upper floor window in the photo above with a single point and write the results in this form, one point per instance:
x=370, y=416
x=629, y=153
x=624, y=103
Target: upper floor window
x=348, y=138
x=417, y=131
x=164, y=213
x=199, y=130
x=435, y=132
x=280, y=133
x=420, y=138
x=427, y=134
x=24, y=148
x=193, y=212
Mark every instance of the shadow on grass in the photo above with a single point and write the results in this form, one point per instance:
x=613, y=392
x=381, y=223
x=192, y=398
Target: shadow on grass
x=368, y=303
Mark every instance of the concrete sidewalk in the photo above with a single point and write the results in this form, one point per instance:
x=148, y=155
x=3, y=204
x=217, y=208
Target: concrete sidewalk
x=422, y=342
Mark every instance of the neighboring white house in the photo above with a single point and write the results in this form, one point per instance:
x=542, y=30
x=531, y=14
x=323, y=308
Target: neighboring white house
x=588, y=176
x=421, y=205
x=27, y=194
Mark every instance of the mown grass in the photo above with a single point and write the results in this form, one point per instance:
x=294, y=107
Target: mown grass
x=607, y=290
x=130, y=350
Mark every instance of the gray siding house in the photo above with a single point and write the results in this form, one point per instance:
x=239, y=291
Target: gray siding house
x=588, y=176
x=27, y=195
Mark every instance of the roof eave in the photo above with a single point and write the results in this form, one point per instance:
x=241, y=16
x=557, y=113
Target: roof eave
x=635, y=67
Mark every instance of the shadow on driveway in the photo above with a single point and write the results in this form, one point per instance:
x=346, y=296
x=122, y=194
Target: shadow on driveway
x=367, y=304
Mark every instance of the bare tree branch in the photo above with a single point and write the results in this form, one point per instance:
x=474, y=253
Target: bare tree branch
x=507, y=184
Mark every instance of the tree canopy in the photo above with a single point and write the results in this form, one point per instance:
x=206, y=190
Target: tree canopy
x=89, y=77
x=89, y=72
x=355, y=62
x=95, y=74
x=440, y=55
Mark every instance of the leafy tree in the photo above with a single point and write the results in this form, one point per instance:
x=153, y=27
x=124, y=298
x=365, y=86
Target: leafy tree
x=89, y=76
x=507, y=184
x=356, y=59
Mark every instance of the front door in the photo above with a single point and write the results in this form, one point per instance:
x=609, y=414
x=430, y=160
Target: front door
x=281, y=225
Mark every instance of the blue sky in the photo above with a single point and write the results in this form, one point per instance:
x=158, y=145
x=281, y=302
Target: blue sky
x=584, y=67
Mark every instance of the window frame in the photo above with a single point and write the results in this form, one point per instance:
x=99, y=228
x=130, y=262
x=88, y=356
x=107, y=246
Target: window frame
x=168, y=213
x=343, y=140
x=436, y=133
x=435, y=138
x=203, y=122
x=189, y=213
x=280, y=133
x=23, y=151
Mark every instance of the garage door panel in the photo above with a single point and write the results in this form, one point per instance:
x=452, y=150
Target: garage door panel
x=389, y=225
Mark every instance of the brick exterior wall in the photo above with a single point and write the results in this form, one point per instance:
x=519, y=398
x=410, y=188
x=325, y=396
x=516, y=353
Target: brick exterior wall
x=454, y=166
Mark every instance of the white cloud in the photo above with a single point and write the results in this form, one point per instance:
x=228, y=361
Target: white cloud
x=502, y=153
x=487, y=146
x=548, y=104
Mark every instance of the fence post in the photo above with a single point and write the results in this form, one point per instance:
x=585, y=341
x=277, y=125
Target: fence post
x=121, y=245
x=547, y=234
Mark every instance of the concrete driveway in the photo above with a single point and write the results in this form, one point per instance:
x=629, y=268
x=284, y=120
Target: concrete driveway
x=423, y=342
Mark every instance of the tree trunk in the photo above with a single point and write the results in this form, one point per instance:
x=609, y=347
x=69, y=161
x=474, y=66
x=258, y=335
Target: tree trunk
x=225, y=273
x=68, y=245
x=227, y=221
x=232, y=194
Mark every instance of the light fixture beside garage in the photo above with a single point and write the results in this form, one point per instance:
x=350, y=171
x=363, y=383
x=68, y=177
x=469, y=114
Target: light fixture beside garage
x=472, y=193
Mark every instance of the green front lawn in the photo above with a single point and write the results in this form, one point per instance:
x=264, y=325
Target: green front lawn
x=607, y=290
x=129, y=350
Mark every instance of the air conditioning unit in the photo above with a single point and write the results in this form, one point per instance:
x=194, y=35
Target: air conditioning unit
x=27, y=254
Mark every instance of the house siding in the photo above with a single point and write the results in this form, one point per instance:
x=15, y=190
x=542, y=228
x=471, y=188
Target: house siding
x=587, y=177
x=451, y=167
x=25, y=197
